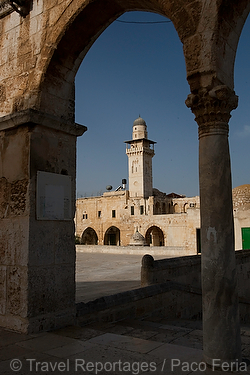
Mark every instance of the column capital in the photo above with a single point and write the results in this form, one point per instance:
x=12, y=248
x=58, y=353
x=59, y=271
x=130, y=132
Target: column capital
x=212, y=108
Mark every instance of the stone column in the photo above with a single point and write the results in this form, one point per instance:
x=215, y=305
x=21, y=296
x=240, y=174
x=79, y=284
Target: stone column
x=37, y=249
x=221, y=328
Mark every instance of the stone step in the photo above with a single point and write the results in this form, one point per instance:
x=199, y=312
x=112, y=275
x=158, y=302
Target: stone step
x=178, y=343
x=184, y=333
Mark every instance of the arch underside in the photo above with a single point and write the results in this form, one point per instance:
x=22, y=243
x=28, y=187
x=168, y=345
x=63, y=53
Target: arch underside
x=89, y=237
x=207, y=65
x=154, y=236
x=112, y=236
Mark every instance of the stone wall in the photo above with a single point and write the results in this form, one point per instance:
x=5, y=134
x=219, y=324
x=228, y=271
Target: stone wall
x=169, y=300
x=178, y=229
x=184, y=270
x=241, y=197
x=187, y=271
x=170, y=289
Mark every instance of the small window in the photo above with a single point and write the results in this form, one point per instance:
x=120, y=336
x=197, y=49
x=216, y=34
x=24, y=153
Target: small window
x=99, y=213
x=141, y=210
x=113, y=213
x=132, y=210
x=85, y=216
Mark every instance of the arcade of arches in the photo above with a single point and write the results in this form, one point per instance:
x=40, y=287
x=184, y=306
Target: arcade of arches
x=154, y=236
x=42, y=45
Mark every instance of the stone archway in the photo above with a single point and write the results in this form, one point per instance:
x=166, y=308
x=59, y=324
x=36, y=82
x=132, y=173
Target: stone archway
x=177, y=208
x=112, y=236
x=40, y=56
x=154, y=236
x=89, y=237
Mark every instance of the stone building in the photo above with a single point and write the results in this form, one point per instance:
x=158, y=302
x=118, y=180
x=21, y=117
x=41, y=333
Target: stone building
x=169, y=220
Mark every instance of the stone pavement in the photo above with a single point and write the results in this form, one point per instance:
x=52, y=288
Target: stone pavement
x=99, y=274
x=132, y=347
x=127, y=347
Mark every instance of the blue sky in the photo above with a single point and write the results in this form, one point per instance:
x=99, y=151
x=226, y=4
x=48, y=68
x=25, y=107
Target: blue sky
x=137, y=69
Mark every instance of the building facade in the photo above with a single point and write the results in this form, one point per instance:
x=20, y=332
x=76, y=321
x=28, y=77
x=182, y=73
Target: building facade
x=162, y=219
x=169, y=220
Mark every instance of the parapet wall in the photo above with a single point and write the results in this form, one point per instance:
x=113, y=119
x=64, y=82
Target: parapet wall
x=171, y=300
x=184, y=270
x=170, y=288
x=187, y=271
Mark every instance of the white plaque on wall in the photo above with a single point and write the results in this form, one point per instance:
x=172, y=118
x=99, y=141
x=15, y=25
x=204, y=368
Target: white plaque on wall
x=53, y=198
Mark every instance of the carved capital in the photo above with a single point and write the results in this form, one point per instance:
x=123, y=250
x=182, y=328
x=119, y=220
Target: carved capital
x=212, y=109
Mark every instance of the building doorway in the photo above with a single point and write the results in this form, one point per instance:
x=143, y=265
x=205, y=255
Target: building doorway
x=89, y=237
x=245, y=232
x=154, y=236
x=112, y=237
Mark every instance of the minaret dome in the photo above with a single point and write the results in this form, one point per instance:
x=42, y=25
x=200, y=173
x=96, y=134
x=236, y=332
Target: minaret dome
x=140, y=129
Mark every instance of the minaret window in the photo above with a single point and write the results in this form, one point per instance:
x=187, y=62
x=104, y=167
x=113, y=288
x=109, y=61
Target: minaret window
x=132, y=210
x=113, y=213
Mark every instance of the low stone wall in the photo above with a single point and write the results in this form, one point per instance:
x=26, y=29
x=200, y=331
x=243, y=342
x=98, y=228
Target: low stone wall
x=171, y=290
x=187, y=270
x=166, y=251
x=169, y=300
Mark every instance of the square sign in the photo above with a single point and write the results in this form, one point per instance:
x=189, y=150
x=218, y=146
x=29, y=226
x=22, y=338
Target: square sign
x=53, y=199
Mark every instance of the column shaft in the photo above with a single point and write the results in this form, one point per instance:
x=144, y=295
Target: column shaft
x=221, y=333
x=221, y=327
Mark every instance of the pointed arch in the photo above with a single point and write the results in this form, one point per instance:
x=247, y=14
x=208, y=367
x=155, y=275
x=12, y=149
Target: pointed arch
x=154, y=236
x=89, y=237
x=112, y=236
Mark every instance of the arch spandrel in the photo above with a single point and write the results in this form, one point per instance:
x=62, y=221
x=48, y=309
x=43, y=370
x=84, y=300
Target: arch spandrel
x=210, y=53
x=74, y=43
x=56, y=40
x=231, y=21
x=49, y=44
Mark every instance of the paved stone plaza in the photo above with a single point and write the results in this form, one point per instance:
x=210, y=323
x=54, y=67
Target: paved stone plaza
x=127, y=347
x=99, y=274
x=133, y=346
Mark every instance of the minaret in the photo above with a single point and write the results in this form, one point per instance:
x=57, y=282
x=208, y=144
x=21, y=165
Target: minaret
x=140, y=151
